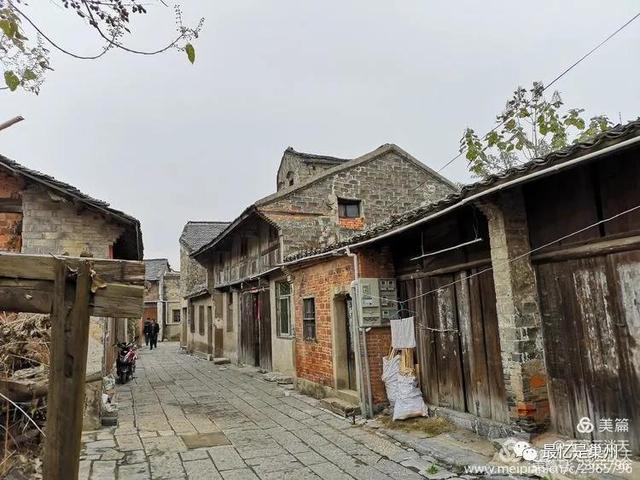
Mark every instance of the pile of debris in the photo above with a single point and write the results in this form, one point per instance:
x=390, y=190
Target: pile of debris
x=24, y=359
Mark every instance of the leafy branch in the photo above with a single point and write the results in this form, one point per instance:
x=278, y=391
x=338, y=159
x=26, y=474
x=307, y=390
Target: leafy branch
x=26, y=62
x=530, y=126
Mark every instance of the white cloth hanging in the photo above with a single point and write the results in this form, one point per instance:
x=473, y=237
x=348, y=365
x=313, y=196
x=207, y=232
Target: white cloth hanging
x=402, y=333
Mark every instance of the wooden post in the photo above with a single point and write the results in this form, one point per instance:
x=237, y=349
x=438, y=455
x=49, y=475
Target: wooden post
x=68, y=359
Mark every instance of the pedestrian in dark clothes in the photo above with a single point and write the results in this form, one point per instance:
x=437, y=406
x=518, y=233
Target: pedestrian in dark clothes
x=154, y=329
x=147, y=331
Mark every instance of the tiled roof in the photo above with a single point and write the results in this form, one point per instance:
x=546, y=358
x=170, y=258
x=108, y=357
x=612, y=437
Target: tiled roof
x=612, y=136
x=196, y=234
x=154, y=268
x=66, y=189
x=315, y=158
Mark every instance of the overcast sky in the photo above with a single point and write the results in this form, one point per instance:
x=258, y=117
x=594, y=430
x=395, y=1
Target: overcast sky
x=168, y=142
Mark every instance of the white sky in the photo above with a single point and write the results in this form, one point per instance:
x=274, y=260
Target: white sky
x=168, y=142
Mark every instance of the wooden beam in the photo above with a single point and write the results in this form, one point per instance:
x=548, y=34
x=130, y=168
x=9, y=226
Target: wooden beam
x=41, y=267
x=36, y=296
x=68, y=360
x=600, y=247
x=119, y=301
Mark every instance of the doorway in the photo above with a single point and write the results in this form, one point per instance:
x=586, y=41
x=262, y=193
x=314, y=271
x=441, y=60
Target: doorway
x=344, y=358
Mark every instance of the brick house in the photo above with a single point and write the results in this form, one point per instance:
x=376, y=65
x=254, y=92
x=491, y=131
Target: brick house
x=525, y=289
x=319, y=200
x=161, y=298
x=197, y=304
x=42, y=215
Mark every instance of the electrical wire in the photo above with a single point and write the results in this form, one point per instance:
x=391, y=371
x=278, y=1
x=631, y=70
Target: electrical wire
x=558, y=77
x=511, y=260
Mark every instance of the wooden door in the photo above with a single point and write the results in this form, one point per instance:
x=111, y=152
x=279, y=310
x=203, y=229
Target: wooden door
x=591, y=324
x=249, y=338
x=458, y=346
x=264, y=320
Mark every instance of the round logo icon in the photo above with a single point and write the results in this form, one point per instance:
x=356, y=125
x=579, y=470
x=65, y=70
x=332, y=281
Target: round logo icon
x=529, y=454
x=585, y=425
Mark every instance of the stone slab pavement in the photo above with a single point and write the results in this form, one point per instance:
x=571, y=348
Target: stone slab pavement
x=264, y=431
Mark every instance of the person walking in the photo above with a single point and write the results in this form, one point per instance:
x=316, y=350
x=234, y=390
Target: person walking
x=147, y=331
x=154, y=329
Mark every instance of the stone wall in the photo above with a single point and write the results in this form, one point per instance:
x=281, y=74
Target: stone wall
x=52, y=224
x=385, y=185
x=192, y=274
x=519, y=322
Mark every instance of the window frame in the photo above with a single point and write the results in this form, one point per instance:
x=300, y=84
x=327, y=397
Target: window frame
x=201, y=319
x=173, y=315
x=287, y=298
x=309, y=320
x=345, y=203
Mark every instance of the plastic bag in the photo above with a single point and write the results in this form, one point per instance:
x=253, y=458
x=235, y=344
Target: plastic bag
x=390, y=372
x=409, y=402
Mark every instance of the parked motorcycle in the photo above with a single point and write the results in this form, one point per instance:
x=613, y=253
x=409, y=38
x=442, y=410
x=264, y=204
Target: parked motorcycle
x=126, y=363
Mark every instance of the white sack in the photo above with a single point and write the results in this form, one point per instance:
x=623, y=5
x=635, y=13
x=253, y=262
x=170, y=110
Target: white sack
x=409, y=401
x=402, y=333
x=390, y=372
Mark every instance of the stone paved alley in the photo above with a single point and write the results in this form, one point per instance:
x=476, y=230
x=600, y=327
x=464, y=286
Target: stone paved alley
x=271, y=432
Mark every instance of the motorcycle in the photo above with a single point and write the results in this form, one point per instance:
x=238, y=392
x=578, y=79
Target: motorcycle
x=126, y=362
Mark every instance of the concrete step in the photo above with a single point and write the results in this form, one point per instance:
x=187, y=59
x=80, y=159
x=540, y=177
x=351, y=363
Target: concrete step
x=350, y=396
x=221, y=360
x=340, y=406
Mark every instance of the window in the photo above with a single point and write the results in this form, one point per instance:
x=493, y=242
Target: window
x=348, y=208
x=192, y=320
x=201, y=320
x=309, y=318
x=290, y=178
x=283, y=306
x=175, y=316
x=230, y=312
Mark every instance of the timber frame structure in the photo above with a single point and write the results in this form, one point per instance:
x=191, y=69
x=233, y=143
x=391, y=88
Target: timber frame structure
x=71, y=290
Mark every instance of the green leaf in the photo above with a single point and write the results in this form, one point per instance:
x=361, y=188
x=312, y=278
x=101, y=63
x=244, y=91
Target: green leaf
x=191, y=52
x=29, y=75
x=11, y=79
x=511, y=124
x=7, y=27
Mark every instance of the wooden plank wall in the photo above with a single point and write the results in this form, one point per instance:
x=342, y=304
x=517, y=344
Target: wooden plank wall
x=264, y=312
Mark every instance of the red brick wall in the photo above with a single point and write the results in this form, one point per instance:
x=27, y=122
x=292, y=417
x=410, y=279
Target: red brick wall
x=352, y=223
x=10, y=223
x=377, y=262
x=314, y=359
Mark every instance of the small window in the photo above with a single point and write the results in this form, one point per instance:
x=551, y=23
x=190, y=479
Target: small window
x=244, y=246
x=230, y=312
x=175, y=316
x=290, y=179
x=309, y=318
x=201, y=320
x=348, y=208
x=283, y=305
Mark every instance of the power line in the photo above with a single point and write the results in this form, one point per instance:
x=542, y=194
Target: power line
x=558, y=77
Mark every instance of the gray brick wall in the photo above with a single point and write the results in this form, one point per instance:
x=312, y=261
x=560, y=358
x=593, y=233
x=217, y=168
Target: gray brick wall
x=385, y=185
x=192, y=273
x=52, y=224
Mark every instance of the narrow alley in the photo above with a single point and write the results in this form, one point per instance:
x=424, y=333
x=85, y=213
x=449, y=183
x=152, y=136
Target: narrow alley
x=238, y=427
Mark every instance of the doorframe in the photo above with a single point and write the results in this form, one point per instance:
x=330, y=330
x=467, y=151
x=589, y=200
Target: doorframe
x=339, y=319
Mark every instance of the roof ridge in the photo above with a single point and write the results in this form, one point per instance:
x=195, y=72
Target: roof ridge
x=318, y=156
